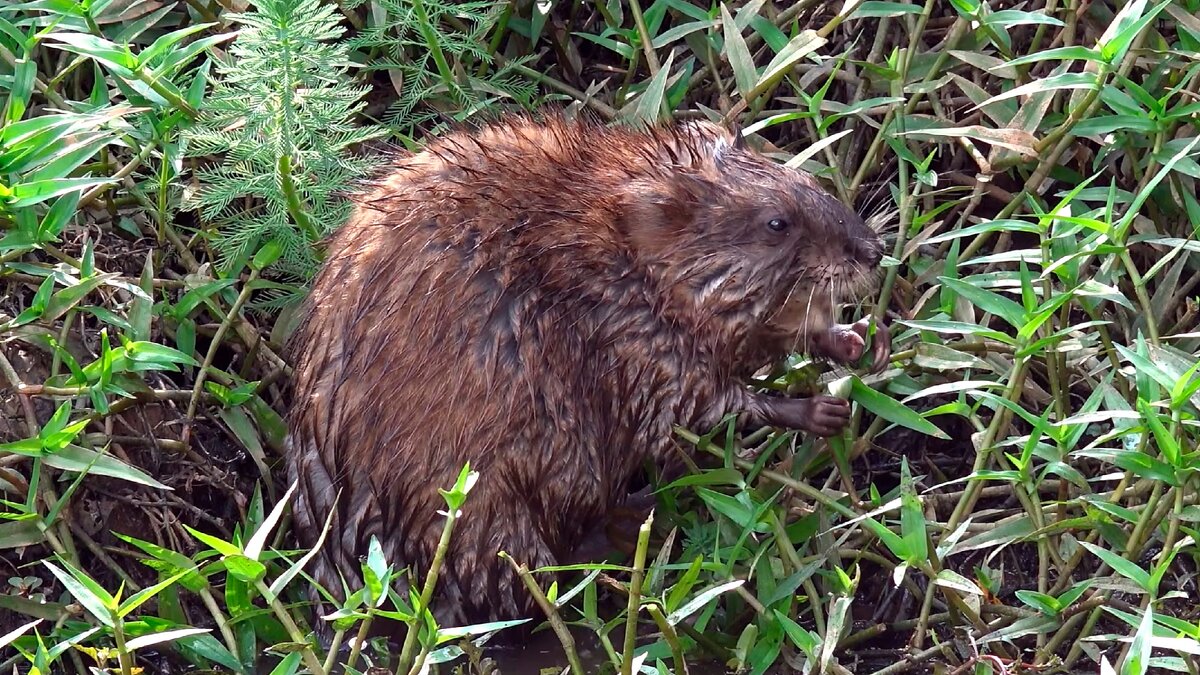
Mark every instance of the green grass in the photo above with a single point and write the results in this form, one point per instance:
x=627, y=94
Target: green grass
x=1019, y=487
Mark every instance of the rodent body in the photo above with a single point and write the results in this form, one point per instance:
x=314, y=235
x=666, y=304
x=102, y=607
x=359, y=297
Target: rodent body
x=547, y=299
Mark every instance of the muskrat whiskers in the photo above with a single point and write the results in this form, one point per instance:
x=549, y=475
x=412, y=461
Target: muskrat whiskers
x=786, y=299
x=880, y=187
x=802, y=332
x=832, y=307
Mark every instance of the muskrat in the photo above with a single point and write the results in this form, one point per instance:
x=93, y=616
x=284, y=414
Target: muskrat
x=547, y=298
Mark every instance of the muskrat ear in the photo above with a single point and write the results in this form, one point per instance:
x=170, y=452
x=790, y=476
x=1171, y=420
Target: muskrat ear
x=739, y=139
x=655, y=216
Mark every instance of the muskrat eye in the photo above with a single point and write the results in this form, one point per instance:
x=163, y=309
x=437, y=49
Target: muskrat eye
x=777, y=224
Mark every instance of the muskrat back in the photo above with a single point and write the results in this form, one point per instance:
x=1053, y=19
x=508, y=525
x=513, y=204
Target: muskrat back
x=546, y=299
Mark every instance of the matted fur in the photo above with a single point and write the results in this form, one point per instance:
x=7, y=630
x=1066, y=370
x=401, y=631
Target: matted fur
x=544, y=298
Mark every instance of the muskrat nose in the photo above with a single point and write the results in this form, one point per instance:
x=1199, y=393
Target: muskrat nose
x=875, y=257
x=868, y=252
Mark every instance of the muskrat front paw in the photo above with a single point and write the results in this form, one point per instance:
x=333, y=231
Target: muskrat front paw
x=641, y=501
x=828, y=415
x=846, y=343
x=822, y=415
x=881, y=348
x=841, y=343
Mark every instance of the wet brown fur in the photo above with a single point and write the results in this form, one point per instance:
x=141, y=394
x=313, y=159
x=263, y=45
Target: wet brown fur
x=544, y=298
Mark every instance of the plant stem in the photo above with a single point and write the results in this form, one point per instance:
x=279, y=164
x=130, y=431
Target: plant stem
x=556, y=622
x=670, y=636
x=435, y=48
x=295, y=206
x=222, y=623
x=359, y=639
x=122, y=651
x=1016, y=384
x=310, y=658
x=212, y=348
x=635, y=594
x=334, y=646
x=431, y=578
x=1139, y=289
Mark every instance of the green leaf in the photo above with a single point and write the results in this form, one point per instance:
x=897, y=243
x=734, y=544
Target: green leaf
x=804, y=639
x=67, y=298
x=841, y=111
x=219, y=545
x=36, y=192
x=152, y=352
x=75, y=458
x=192, y=299
x=874, y=9
x=57, y=421
x=244, y=568
x=65, y=158
x=804, y=43
x=21, y=533
x=1144, y=194
x=685, y=584
x=457, y=494
x=58, y=216
x=1102, y=125
x=1122, y=566
x=1072, y=594
x=1057, y=54
x=814, y=148
x=624, y=50
x=1001, y=225
x=446, y=634
x=1046, y=604
x=176, y=561
x=958, y=328
x=1149, y=367
x=988, y=301
x=118, y=58
x=254, y=546
x=743, y=515
x=166, y=42
x=951, y=579
x=738, y=55
x=1145, y=466
x=290, y=665
x=1138, y=660
x=8, y=637
x=1167, y=444
x=892, y=410
x=1124, y=28
x=951, y=388
x=141, y=308
x=968, y=8
x=647, y=107
x=165, y=636
x=912, y=518
x=1051, y=83
x=1013, y=17
x=894, y=543
x=138, y=599
x=697, y=603
x=95, y=599
x=680, y=31
x=267, y=255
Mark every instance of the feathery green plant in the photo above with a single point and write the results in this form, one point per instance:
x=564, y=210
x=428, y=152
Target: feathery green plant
x=281, y=115
x=437, y=52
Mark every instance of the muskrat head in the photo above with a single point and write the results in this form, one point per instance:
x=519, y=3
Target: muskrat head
x=736, y=235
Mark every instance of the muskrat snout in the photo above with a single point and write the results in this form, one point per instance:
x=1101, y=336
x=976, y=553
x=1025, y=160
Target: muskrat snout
x=868, y=252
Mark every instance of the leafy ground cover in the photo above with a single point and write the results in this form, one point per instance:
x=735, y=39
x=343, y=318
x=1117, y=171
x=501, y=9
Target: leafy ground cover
x=1017, y=493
